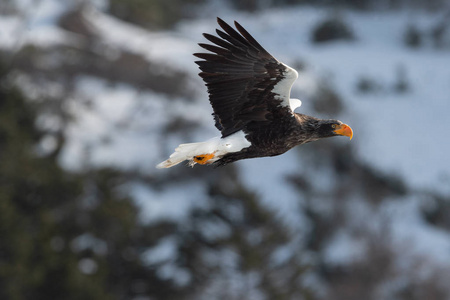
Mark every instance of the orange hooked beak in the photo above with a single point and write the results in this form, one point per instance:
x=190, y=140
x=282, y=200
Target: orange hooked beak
x=344, y=130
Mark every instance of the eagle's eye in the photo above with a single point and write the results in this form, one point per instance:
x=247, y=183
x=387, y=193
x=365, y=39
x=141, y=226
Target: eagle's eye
x=334, y=126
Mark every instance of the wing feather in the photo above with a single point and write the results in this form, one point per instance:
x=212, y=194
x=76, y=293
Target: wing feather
x=246, y=85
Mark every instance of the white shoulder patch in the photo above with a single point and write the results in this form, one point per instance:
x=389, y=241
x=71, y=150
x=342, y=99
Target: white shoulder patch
x=283, y=88
x=294, y=103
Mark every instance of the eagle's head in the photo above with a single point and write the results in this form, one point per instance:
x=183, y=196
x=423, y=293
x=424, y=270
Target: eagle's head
x=329, y=128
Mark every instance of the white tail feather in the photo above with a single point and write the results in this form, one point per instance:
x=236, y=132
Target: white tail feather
x=219, y=146
x=182, y=152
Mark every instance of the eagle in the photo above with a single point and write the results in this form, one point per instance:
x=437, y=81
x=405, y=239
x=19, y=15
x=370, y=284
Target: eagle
x=249, y=91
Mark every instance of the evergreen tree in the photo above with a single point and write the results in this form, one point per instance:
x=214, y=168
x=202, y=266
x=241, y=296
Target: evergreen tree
x=65, y=235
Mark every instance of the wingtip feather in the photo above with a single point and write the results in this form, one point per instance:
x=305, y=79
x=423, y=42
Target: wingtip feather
x=220, y=21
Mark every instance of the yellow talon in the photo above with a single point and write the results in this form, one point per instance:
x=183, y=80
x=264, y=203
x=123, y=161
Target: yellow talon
x=203, y=159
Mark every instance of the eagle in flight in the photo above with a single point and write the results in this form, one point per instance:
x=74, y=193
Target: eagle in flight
x=249, y=91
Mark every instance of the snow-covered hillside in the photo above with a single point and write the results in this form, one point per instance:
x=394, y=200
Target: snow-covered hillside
x=400, y=134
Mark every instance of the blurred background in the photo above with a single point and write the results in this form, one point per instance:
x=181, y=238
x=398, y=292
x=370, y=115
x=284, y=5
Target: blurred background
x=93, y=94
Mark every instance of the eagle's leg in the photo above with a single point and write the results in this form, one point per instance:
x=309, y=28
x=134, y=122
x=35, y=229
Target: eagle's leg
x=204, y=158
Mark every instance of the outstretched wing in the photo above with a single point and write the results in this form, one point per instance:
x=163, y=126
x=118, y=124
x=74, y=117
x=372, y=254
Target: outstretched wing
x=245, y=83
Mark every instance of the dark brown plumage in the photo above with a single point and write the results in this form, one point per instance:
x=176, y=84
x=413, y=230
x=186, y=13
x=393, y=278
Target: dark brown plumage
x=240, y=76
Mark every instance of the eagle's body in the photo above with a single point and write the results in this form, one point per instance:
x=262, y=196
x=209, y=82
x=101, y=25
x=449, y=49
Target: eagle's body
x=249, y=91
x=276, y=138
